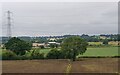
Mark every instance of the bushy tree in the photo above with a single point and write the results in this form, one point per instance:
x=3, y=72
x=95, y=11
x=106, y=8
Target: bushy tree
x=18, y=46
x=37, y=55
x=105, y=42
x=42, y=47
x=55, y=54
x=73, y=46
x=8, y=55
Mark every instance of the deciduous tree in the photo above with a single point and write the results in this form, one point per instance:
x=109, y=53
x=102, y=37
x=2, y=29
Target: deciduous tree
x=18, y=46
x=73, y=46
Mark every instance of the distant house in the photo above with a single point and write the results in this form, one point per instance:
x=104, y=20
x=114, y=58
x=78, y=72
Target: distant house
x=44, y=44
x=103, y=37
x=39, y=44
x=53, y=43
x=1, y=45
x=54, y=39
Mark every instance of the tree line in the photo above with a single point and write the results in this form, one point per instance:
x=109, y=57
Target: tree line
x=70, y=48
x=93, y=38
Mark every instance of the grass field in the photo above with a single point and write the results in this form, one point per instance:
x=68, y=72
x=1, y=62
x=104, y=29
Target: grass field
x=100, y=51
x=97, y=51
x=106, y=51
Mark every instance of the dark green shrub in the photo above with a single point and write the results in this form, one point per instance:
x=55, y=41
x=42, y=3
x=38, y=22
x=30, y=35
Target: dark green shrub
x=24, y=57
x=37, y=55
x=105, y=42
x=8, y=55
x=55, y=54
x=42, y=47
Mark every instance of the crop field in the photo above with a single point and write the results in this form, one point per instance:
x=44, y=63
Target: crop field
x=85, y=65
x=95, y=43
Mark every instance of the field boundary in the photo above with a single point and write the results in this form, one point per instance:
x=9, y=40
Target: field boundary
x=99, y=57
x=60, y=74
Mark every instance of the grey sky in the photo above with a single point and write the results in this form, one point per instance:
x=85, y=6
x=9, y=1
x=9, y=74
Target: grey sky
x=59, y=18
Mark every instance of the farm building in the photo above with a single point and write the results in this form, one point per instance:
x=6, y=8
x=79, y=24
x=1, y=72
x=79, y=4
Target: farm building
x=1, y=45
x=44, y=44
x=53, y=43
x=39, y=44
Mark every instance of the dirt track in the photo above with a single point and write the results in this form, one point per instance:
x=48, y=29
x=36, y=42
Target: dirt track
x=88, y=65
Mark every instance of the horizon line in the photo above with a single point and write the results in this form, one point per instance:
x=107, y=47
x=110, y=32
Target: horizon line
x=58, y=35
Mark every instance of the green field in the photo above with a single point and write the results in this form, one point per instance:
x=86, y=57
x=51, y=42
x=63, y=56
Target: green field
x=106, y=51
x=45, y=51
x=98, y=51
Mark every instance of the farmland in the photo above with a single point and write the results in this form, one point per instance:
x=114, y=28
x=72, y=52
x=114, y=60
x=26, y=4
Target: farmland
x=95, y=51
x=83, y=65
x=86, y=65
x=106, y=51
x=98, y=51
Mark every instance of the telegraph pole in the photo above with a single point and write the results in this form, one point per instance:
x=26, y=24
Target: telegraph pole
x=9, y=32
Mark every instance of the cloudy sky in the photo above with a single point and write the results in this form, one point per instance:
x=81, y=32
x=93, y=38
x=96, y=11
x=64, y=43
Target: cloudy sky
x=59, y=18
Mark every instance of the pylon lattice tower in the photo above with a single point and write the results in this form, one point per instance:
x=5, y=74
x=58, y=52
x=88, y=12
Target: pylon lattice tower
x=9, y=31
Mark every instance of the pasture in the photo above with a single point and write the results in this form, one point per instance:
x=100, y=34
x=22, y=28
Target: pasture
x=101, y=51
x=97, y=51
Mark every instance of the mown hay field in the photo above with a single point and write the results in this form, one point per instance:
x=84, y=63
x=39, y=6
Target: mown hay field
x=95, y=43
